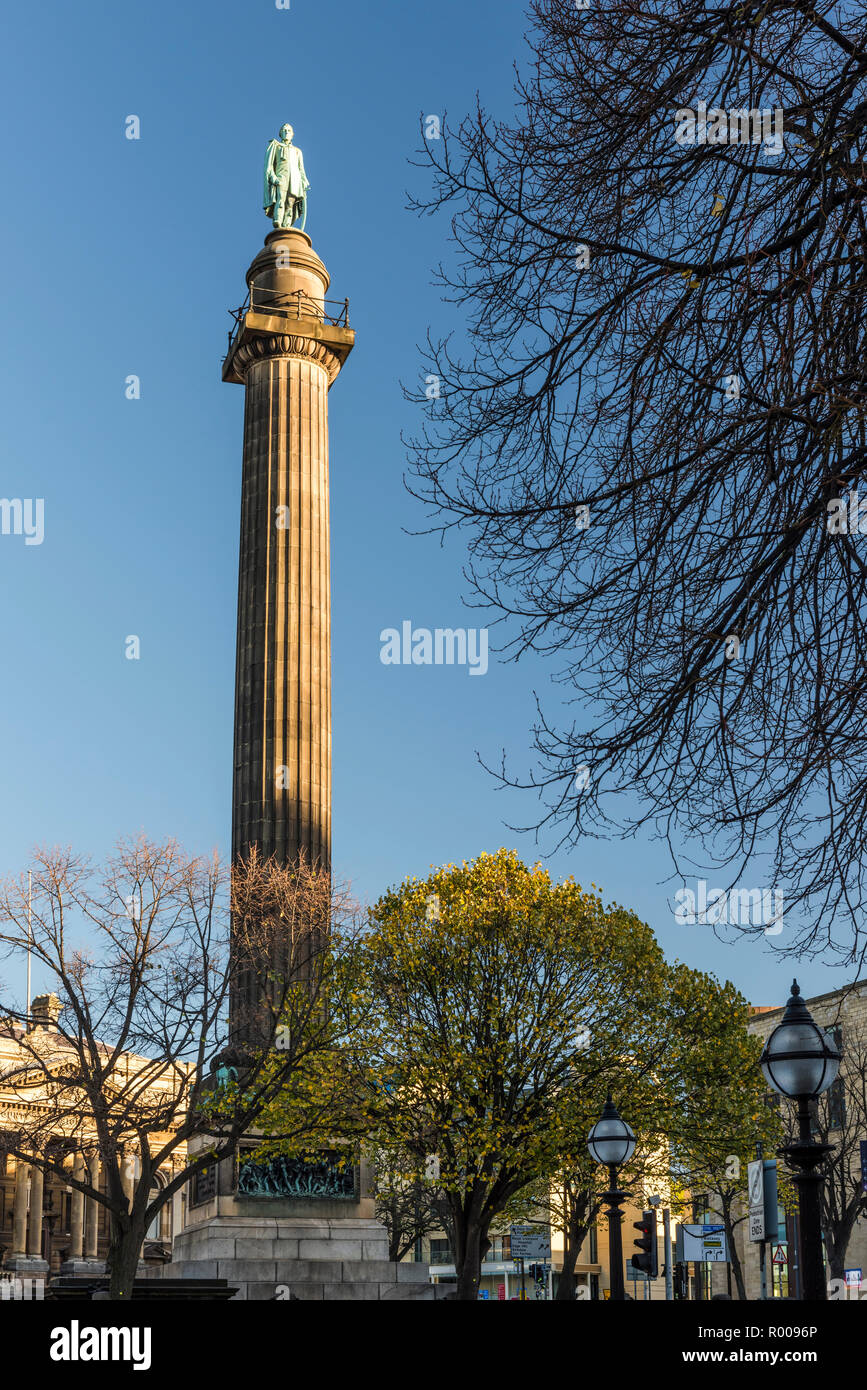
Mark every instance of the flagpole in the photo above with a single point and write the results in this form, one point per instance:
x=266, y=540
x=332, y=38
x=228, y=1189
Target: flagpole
x=29, y=934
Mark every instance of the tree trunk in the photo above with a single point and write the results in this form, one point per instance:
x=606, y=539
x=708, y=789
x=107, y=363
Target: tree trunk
x=471, y=1243
x=835, y=1248
x=737, y=1268
x=574, y=1239
x=574, y=1235
x=123, y=1254
x=566, y=1285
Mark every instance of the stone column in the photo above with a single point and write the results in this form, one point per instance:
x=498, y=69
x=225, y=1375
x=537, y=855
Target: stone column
x=19, y=1210
x=129, y=1179
x=91, y=1229
x=282, y=791
x=34, y=1239
x=76, y=1228
x=287, y=355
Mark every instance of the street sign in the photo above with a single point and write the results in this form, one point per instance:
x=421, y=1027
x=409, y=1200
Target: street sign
x=772, y=1201
x=756, y=1190
x=853, y=1278
x=701, y=1244
x=780, y=1254
x=501, y=1293
x=530, y=1243
x=757, y=1224
x=762, y=1199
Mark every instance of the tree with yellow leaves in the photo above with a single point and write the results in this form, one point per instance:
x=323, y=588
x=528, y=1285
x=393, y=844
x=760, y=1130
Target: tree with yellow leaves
x=721, y=1109
x=499, y=997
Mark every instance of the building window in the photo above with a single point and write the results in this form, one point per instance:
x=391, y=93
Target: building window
x=594, y=1245
x=153, y=1230
x=837, y=1104
x=701, y=1210
x=440, y=1253
x=500, y=1249
x=837, y=1091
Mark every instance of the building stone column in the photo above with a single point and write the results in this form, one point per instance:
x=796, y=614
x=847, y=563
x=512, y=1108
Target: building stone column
x=91, y=1228
x=19, y=1209
x=26, y=1255
x=76, y=1225
x=34, y=1238
x=128, y=1179
x=166, y=1222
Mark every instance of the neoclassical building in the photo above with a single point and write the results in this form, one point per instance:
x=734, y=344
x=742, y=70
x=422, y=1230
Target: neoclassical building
x=46, y=1224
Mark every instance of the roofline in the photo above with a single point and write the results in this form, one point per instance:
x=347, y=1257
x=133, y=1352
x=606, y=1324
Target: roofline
x=762, y=1010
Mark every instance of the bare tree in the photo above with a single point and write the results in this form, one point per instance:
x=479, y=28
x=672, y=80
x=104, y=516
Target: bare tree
x=409, y=1208
x=139, y=1060
x=653, y=430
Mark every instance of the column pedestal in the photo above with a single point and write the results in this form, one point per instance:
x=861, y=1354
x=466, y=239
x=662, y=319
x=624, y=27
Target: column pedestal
x=276, y=1248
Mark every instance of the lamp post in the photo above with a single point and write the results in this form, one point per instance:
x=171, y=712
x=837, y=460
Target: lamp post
x=801, y=1061
x=612, y=1142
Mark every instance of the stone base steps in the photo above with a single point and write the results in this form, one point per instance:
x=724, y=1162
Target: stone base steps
x=297, y=1258
x=287, y=1280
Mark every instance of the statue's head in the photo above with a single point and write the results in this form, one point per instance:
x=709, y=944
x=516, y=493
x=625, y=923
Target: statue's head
x=286, y=132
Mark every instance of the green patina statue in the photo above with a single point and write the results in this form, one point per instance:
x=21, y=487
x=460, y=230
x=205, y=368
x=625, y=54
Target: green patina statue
x=286, y=183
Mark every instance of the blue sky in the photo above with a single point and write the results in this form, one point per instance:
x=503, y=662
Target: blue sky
x=122, y=257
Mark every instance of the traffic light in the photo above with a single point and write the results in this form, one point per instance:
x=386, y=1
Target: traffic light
x=647, y=1261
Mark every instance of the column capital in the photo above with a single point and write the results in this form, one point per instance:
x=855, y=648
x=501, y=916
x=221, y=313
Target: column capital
x=257, y=348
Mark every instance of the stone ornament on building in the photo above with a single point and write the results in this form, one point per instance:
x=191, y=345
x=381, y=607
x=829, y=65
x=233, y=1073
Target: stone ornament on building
x=287, y=345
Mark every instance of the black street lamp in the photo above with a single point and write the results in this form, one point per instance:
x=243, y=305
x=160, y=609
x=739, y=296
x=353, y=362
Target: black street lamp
x=612, y=1142
x=800, y=1061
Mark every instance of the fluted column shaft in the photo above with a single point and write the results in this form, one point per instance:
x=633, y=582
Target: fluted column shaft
x=287, y=351
x=37, y=1185
x=128, y=1179
x=282, y=793
x=76, y=1224
x=91, y=1220
x=19, y=1209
